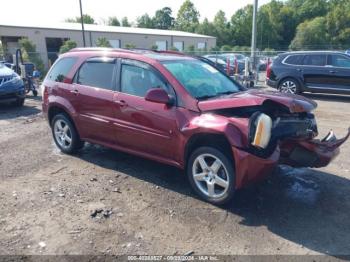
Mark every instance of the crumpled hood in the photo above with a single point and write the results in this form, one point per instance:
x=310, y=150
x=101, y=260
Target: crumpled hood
x=295, y=103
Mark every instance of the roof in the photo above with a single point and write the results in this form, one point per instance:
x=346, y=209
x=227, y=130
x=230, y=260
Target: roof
x=104, y=29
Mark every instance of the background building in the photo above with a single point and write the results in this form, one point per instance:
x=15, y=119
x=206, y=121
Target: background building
x=49, y=38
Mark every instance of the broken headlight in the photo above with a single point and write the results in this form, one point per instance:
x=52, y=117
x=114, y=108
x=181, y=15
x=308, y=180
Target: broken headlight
x=261, y=127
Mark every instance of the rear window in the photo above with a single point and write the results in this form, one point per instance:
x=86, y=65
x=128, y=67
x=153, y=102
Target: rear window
x=96, y=74
x=294, y=60
x=61, y=68
x=315, y=60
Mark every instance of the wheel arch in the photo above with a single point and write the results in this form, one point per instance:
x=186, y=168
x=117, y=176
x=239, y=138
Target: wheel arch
x=218, y=141
x=296, y=78
x=58, y=109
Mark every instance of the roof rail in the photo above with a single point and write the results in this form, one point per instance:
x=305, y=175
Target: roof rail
x=81, y=49
x=133, y=50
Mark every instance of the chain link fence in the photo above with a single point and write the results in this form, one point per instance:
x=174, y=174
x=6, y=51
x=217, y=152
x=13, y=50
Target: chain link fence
x=240, y=64
x=237, y=64
x=232, y=63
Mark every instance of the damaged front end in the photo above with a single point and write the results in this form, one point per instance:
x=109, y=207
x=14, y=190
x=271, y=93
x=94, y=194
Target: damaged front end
x=311, y=153
x=296, y=136
x=273, y=125
x=278, y=120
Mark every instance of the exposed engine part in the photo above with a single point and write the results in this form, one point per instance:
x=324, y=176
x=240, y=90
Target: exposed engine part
x=285, y=126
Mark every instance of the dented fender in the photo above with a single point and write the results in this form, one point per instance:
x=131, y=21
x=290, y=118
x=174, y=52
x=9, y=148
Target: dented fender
x=236, y=130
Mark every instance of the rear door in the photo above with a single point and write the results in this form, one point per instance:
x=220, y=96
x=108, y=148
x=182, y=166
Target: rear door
x=339, y=67
x=144, y=126
x=93, y=94
x=315, y=73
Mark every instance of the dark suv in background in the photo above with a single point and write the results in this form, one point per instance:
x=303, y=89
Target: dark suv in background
x=317, y=71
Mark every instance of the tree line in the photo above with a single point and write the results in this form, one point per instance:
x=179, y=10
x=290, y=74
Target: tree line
x=282, y=25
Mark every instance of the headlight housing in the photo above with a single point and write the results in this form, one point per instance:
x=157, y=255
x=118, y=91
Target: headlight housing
x=261, y=130
x=15, y=77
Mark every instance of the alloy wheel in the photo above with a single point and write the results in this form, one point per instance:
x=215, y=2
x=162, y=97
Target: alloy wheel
x=289, y=87
x=63, y=134
x=210, y=175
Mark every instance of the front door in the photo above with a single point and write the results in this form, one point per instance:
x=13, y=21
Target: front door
x=315, y=72
x=143, y=126
x=339, y=66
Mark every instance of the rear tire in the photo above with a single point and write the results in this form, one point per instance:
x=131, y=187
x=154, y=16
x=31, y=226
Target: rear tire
x=289, y=86
x=65, y=135
x=211, y=175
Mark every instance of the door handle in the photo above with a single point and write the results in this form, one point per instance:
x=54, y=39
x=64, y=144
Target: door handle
x=75, y=91
x=121, y=103
x=332, y=71
x=299, y=70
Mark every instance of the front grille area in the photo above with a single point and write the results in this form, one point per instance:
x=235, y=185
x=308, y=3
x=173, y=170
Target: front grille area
x=8, y=96
x=4, y=80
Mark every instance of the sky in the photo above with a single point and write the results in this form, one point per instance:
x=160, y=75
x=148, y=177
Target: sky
x=42, y=11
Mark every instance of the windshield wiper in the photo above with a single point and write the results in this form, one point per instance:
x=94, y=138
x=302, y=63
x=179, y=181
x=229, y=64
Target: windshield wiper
x=216, y=95
x=205, y=97
x=225, y=93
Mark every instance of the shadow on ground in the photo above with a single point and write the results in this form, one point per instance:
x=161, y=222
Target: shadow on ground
x=35, y=98
x=308, y=207
x=8, y=111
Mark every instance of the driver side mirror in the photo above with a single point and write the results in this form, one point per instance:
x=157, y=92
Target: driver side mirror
x=159, y=95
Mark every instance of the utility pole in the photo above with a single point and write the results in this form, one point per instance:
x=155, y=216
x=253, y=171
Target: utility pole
x=253, y=50
x=82, y=23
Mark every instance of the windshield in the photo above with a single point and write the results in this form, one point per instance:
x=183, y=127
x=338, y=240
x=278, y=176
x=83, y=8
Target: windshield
x=200, y=79
x=240, y=57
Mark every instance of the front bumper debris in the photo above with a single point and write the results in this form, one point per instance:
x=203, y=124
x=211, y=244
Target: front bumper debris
x=311, y=153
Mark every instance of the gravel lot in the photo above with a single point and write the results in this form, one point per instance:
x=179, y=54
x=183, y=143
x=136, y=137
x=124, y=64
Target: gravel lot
x=106, y=202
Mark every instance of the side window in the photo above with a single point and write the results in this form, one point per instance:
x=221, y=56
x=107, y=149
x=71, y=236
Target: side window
x=294, y=60
x=137, y=80
x=60, y=70
x=340, y=61
x=315, y=60
x=96, y=74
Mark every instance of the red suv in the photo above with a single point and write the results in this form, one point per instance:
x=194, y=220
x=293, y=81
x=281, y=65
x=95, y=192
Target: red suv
x=181, y=111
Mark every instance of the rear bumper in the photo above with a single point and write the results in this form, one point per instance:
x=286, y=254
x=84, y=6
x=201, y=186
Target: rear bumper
x=45, y=109
x=250, y=168
x=271, y=83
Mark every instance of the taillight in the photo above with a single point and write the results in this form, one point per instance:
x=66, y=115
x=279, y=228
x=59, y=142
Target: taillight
x=44, y=92
x=268, y=69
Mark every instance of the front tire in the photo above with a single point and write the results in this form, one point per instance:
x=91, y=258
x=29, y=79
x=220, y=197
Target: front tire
x=65, y=135
x=211, y=175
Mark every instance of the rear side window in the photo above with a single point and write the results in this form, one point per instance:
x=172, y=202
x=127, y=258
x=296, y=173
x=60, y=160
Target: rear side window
x=340, y=61
x=315, y=60
x=294, y=60
x=96, y=74
x=61, y=69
